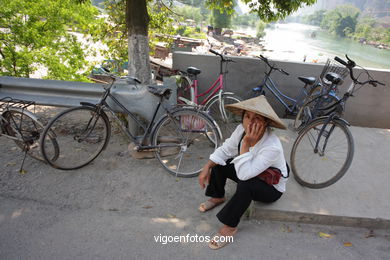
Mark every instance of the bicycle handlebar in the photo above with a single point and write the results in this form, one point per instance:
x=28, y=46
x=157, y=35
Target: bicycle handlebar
x=214, y=52
x=115, y=77
x=341, y=61
x=272, y=66
x=223, y=58
x=350, y=64
x=284, y=72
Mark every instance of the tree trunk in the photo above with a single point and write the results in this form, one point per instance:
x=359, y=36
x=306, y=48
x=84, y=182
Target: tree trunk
x=137, y=20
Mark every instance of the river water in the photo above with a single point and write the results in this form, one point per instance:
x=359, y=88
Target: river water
x=293, y=42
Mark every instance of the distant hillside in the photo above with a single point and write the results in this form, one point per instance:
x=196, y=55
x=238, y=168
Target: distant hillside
x=376, y=8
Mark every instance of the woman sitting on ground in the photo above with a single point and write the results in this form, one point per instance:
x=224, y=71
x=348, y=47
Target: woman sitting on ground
x=252, y=149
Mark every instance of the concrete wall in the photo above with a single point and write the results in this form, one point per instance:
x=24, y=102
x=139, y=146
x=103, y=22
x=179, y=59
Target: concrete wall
x=370, y=107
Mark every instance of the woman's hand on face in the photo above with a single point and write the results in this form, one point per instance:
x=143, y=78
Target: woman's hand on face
x=253, y=133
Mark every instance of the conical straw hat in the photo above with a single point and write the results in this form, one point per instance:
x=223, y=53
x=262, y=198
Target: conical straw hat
x=258, y=105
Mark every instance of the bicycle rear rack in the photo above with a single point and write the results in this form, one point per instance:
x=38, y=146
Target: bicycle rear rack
x=8, y=102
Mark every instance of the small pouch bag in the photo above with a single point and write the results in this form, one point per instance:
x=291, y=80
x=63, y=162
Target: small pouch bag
x=271, y=176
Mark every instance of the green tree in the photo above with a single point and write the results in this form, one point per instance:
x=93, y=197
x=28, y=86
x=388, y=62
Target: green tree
x=245, y=20
x=190, y=12
x=34, y=34
x=342, y=20
x=315, y=18
x=260, y=27
x=137, y=22
x=267, y=10
x=219, y=20
x=115, y=33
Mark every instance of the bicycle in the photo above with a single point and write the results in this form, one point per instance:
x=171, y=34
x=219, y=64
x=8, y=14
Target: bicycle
x=324, y=149
x=23, y=127
x=214, y=99
x=312, y=87
x=327, y=92
x=180, y=138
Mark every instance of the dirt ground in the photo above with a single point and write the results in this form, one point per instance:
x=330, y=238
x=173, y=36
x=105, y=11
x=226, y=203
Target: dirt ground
x=108, y=182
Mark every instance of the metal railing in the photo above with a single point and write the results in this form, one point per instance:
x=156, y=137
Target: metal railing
x=69, y=93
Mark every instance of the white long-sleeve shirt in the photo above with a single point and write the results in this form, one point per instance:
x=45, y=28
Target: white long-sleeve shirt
x=267, y=152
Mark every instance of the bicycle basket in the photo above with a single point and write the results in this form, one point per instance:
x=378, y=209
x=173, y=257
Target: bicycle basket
x=335, y=67
x=189, y=123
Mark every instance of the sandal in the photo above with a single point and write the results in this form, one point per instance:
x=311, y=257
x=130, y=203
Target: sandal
x=217, y=245
x=207, y=205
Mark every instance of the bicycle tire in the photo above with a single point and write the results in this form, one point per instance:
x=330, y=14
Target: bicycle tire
x=213, y=109
x=184, y=89
x=314, y=170
x=183, y=141
x=68, y=127
x=30, y=129
x=308, y=111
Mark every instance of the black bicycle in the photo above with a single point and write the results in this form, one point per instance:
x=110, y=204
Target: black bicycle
x=22, y=126
x=181, y=138
x=323, y=150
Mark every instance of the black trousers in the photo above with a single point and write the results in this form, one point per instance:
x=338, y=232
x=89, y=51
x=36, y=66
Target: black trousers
x=252, y=189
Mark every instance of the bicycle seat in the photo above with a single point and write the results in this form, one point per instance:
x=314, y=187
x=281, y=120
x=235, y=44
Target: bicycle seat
x=193, y=71
x=160, y=91
x=334, y=78
x=308, y=80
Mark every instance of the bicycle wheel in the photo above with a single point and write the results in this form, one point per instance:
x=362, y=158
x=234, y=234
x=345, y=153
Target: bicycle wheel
x=184, y=89
x=27, y=129
x=319, y=169
x=183, y=141
x=227, y=123
x=311, y=110
x=81, y=135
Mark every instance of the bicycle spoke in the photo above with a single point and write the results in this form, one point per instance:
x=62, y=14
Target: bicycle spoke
x=190, y=156
x=318, y=170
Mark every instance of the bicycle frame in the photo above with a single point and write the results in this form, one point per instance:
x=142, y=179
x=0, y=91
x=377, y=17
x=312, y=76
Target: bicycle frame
x=215, y=87
x=147, y=129
x=281, y=97
x=335, y=112
x=140, y=142
x=277, y=93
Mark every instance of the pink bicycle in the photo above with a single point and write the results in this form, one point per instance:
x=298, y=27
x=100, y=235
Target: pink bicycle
x=214, y=99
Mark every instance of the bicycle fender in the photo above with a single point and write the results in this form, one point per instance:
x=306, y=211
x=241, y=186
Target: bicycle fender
x=28, y=113
x=336, y=118
x=87, y=104
x=230, y=93
x=216, y=97
x=343, y=120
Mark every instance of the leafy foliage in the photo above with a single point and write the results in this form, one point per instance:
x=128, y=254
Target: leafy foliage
x=114, y=33
x=315, y=18
x=260, y=27
x=245, y=20
x=267, y=10
x=342, y=20
x=345, y=21
x=35, y=34
x=220, y=19
x=190, y=12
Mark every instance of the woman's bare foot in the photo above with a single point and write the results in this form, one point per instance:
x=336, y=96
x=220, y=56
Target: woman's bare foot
x=227, y=231
x=224, y=231
x=210, y=204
